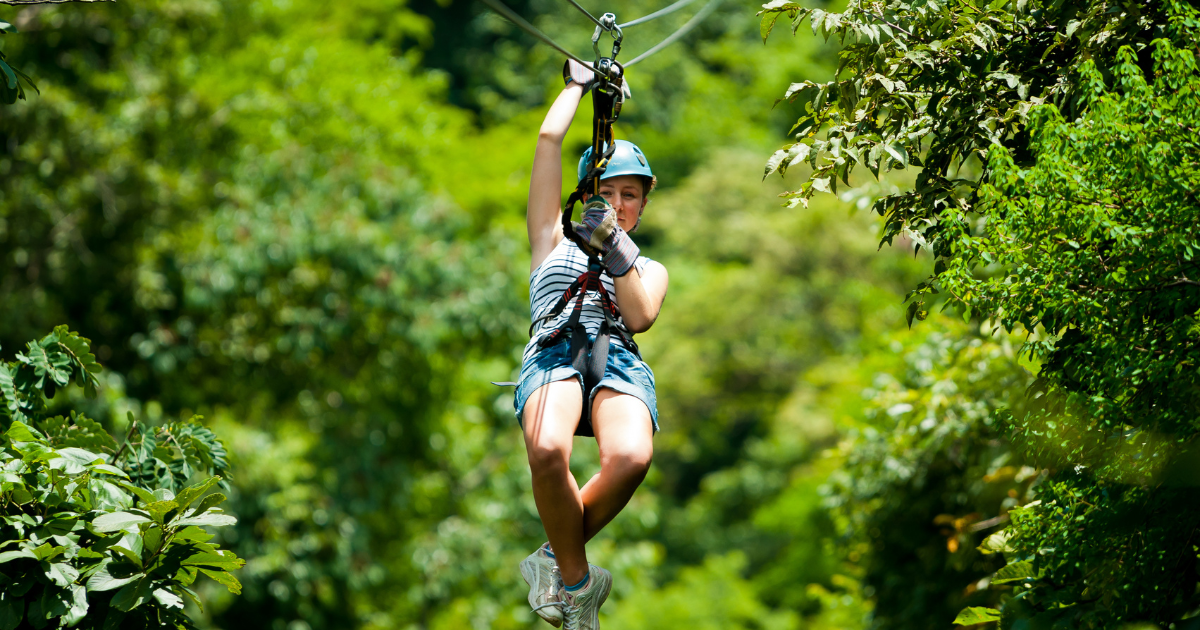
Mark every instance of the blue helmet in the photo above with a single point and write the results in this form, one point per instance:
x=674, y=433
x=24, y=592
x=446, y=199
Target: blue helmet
x=627, y=159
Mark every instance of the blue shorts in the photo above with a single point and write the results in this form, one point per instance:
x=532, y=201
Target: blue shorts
x=625, y=373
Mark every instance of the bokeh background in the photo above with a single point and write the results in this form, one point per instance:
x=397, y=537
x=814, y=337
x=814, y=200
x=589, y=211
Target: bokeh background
x=304, y=221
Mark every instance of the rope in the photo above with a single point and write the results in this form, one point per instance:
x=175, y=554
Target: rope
x=657, y=14
x=589, y=15
x=683, y=30
x=532, y=30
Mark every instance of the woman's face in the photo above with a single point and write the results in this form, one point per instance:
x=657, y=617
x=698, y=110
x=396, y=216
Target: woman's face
x=624, y=193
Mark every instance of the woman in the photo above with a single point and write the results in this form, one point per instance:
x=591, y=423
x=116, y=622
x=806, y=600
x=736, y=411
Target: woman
x=564, y=588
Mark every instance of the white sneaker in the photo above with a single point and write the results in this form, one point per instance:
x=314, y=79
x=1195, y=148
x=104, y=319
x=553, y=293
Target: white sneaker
x=581, y=609
x=541, y=574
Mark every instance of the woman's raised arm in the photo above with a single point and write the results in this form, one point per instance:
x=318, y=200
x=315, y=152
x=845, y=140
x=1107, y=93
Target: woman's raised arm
x=542, y=216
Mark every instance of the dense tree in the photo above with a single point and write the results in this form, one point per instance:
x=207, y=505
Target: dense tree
x=96, y=534
x=1095, y=242
x=1057, y=160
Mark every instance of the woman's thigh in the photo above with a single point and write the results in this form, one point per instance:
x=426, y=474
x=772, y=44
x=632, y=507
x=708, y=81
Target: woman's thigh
x=624, y=428
x=552, y=413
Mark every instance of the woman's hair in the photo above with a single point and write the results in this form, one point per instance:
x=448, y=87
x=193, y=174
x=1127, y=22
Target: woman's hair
x=648, y=184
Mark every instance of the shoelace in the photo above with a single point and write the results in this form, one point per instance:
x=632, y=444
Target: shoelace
x=571, y=616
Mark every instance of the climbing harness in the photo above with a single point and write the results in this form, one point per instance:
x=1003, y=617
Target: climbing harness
x=589, y=357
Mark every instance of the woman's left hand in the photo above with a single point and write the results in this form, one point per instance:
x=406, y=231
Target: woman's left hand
x=601, y=231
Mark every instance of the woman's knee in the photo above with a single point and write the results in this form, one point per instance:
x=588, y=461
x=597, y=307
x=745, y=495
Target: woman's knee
x=630, y=460
x=548, y=456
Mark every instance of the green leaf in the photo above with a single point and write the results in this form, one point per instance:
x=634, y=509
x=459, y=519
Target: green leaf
x=118, y=521
x=8, y=556
x=911, y=312
x=767, y=24
x=46, y=551
x=21, y=432
x=80, y=455
x=224, y=578
x=12, y=611
x=152, y=541
x=207, y=503
x=774, y=162
x=190, y=494
x=227, y=561
x=102, y=580
x=1016, y=572
x=141, y=493
x=897, y=150
x=60, y=573
x=996, y=543
x=977, y=615
x=79, y=606
x=132, y=595
x=112, y=470
x=159, y=509
x=194, y=534
x=10, y=78
x=129, y=554
x=168, y=599
x=210, y=518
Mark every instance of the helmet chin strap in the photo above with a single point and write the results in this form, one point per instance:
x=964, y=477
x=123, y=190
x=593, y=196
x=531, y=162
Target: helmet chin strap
x=639, y=221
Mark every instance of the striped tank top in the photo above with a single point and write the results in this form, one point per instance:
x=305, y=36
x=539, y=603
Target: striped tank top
x=548, y=282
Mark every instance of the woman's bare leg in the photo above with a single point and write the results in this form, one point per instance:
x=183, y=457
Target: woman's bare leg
x=626, y=438
x=550, y=417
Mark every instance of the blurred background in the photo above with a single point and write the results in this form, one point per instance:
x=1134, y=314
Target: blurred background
x=304, y=221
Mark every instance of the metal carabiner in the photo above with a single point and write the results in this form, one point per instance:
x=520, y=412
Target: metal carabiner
x=608, y=22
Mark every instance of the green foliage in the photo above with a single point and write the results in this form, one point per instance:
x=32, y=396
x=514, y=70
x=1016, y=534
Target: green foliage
x=929, y=474
x=49, y=363
x=83, y=543
x=11, y=78
x=1095, y=243
x=1093, y=554
x=936, y=84
x=1055, y=197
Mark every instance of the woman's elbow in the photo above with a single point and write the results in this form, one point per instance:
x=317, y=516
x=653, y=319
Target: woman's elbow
x=639, y=323
x=551, y=135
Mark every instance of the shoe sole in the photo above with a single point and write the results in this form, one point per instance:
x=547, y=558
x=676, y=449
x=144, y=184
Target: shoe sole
x=528, y=572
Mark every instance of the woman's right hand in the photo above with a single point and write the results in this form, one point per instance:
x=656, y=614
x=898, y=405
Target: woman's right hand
x=575, y=72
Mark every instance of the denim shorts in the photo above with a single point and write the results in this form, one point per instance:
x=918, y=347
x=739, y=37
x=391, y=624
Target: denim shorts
x=625, y=373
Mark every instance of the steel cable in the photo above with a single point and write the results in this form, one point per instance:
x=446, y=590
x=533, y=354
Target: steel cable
x=589, y=15
x=683, y=30
x=508, y=13
x=657, y=14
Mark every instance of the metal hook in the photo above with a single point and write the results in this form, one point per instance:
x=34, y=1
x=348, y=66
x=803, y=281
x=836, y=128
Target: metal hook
x=608, y=22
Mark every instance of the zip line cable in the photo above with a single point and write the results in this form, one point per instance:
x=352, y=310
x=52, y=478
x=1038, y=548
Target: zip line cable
x=521, y=22
x=532, y=30
x=657, y=14
x=589, y=15
x=683, y=30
